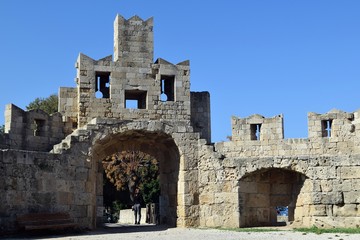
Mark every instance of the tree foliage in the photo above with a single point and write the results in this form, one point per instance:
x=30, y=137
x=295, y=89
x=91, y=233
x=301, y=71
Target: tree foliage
x=48, y=105
x=112, y=195
x=151, y=191
x=2, y=128
x=132, y=169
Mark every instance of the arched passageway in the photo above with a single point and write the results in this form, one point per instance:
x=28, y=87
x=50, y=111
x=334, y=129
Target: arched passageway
x=157, y=144
x=263, y=191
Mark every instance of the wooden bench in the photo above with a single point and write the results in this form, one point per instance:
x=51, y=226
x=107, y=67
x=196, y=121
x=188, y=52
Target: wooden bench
x=37, y=221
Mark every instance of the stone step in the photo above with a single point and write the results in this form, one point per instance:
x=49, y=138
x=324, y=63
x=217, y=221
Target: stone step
x=75, y=136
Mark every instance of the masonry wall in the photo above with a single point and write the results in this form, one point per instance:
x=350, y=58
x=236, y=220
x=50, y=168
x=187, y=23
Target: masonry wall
x=344, y=137
x=4, y=141
x=329, y=165
x=238, y=192
x=105, y=87
x=44, y=182
x=68, y=106
x=133, y=41
x=32, y=130
x=200, y=114
x=129, y=83
x=174, y=145
x=262, y=192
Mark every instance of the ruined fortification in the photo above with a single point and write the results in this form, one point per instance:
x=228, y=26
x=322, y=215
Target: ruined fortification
x=128, y=100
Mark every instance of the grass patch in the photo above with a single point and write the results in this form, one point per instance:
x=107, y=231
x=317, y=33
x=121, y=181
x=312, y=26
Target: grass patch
x=328, y=230
x=251, y=229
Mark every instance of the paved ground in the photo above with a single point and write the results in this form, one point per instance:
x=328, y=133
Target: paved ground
x=150, y=232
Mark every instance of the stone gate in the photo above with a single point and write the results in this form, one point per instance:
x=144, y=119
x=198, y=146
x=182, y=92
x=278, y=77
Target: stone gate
x=126, y=101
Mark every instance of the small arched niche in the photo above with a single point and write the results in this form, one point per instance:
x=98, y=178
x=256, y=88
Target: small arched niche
x=267, y=197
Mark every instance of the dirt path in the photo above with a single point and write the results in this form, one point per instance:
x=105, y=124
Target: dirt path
x=150, y=232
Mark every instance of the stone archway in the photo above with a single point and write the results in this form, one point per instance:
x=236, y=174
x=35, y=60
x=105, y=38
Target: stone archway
x=157, y=144
x=261, y=191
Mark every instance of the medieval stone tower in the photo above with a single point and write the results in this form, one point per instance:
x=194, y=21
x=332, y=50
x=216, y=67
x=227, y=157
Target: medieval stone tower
x=132, y=86
x=53, y=163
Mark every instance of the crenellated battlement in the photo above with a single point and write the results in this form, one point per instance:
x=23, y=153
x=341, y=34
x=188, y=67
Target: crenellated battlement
x=257, y=128
x=133, y=41
x=334, y=124
x=32, y=130
x=132, y=86
x=335, y=132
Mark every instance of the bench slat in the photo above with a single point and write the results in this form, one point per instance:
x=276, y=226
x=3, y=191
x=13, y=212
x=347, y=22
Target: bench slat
x=39, y=216
x=53, y=226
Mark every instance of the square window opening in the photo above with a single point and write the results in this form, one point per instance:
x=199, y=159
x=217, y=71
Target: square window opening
x=167, y=85
x=133, y=104
x=255, y=130
x=282, y=214
x=39, y=129
x=135, y=99
x=102, y=84
x=74, y=125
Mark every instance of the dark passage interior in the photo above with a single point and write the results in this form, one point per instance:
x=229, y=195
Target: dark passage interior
x=263, y=192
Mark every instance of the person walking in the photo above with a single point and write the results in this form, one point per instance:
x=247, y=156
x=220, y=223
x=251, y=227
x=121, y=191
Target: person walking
x=137, y=198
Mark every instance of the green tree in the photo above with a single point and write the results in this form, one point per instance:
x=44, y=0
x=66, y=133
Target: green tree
x=2, y=128
x=151, y=191
x=48, y=105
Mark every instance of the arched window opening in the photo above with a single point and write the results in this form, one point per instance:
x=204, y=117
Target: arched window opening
x=268, y=197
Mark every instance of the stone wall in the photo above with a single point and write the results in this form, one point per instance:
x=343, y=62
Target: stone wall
x=32, y=130
x=344, y=138
x=4, y=141
x=107, y=88
x=98, y=109
x=260, y=194
x=320, y=173
x=200, y=114
x=68, y=103
x=214, y=188
x=319, y=191
x=133, y=41
x=175, y=146
x=257, y=127
x=327, y=163
x=41, y=182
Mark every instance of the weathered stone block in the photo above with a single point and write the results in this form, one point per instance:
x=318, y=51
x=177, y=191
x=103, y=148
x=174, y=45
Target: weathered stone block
x=352, y=197
x=207, y=198
x=348, y=210
x=80, y=211
x=258, y=200
x=281, y=188
x=350, y=172
x=317, y=210
x=248, y=187
x=64, y=198
x=336, y=198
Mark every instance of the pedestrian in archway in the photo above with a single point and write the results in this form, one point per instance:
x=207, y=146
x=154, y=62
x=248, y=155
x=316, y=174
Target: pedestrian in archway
x=137, y=198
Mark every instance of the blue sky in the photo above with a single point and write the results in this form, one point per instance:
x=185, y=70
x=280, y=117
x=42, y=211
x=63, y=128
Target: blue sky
x=265, y=57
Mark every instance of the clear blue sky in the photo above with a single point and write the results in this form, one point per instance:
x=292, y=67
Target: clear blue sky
x=257, y=56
